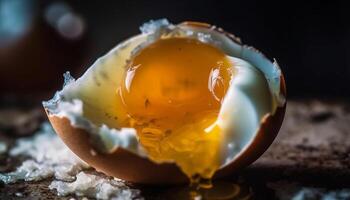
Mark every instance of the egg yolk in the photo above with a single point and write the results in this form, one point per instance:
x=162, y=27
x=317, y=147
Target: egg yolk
x=171, y=94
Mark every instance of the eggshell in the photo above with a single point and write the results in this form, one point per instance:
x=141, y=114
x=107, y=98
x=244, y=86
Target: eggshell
x=128, y=166
x=131, y=167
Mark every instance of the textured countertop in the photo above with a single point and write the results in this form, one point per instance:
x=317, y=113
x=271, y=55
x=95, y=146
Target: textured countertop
x=309, y=158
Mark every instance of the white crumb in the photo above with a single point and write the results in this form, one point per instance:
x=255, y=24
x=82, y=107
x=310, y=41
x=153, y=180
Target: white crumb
x=292, y=191
x=48, y=157
x=93, y=186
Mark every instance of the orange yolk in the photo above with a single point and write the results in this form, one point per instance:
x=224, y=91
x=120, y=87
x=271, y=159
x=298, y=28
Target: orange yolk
x=171, y=94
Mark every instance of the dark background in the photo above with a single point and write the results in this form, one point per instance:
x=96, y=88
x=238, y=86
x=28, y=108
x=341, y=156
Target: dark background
x=309, y=39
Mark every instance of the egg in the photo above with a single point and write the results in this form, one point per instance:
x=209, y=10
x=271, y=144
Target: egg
x=174, y=103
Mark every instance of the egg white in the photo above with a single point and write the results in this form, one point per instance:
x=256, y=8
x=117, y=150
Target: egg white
x=254, y=91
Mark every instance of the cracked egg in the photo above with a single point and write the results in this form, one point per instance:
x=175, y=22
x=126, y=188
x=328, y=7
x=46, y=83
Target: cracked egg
x=174, y=103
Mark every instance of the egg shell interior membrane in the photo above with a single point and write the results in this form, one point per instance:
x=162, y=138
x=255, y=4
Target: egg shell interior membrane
x=90, y=100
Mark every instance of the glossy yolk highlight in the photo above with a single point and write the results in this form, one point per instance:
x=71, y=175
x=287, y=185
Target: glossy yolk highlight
x=171, y=94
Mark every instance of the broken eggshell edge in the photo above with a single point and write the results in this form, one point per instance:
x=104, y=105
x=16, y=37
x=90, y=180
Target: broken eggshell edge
x=130, y=166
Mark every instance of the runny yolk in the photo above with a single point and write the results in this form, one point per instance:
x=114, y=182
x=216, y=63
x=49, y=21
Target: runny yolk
x=171, y=94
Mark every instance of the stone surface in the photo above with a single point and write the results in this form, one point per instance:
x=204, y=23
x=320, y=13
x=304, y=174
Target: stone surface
x=311, y=151
x=313, y=144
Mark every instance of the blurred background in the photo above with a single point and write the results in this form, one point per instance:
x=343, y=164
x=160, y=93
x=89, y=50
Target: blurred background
x=39, y=40
x=42, y=39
